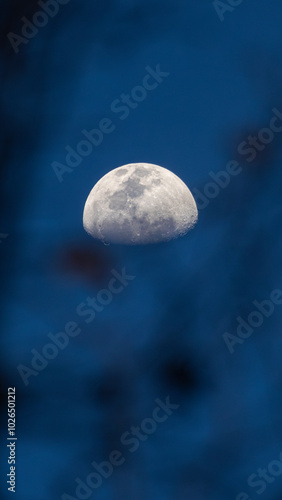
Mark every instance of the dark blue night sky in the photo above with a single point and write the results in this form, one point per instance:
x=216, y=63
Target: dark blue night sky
x=175, y=381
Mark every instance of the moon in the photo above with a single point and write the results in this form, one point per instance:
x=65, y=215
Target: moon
x=139, y=204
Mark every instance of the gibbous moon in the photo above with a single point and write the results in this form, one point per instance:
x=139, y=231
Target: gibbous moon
x=138, y=204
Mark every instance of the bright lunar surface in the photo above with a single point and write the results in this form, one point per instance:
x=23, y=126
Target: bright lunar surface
x=139, y=203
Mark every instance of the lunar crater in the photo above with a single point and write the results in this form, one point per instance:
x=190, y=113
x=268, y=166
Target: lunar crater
x=121, y=172
x=141, y=171
x=118, y=200
x=133, y=188
x=156, y=182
